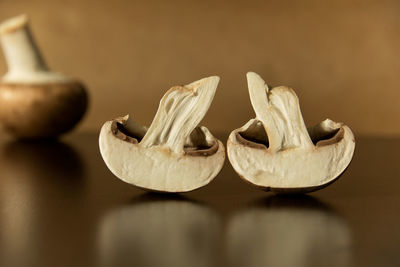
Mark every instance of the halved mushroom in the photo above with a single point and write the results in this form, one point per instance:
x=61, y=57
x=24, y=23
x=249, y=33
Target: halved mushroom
x=173, y=155
x=275, y=151
x=34, y=101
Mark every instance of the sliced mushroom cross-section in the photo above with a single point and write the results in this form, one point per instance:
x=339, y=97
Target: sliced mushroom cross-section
x=174, y=154
x=275, y=151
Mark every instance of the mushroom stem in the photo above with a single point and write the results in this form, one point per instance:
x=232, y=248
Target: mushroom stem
x=258, y=91
x=279, y=111
x=180, y=111
x=24, y=61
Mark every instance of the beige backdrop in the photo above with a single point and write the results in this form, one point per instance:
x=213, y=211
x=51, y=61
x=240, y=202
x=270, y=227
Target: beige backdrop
x=341, y=57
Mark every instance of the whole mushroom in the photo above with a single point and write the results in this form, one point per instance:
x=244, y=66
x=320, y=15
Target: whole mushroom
x=173, y=154
x=34, y=101
x=275, y=151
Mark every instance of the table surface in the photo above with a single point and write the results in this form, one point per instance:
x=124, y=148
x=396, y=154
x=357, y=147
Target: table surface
x=61, y=206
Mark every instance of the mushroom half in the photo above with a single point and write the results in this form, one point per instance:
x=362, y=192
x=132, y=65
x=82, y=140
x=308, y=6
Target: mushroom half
x=173, y=154
x=275, y=151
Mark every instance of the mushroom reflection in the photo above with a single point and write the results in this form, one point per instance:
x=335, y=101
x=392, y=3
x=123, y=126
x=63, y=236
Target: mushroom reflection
x=39, y=181
x=288, y=231
x=45, y=159
x=159, y=231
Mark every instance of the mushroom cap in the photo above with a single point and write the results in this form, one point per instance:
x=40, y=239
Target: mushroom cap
x=293, y=170
x=157, y=168
x=45, y=110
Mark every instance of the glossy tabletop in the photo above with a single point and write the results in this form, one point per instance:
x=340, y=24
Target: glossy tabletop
x=61, y=206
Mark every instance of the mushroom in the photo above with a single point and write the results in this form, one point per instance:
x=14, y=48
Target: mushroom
x=173, y=155
x=35, y=102
x=276, y=152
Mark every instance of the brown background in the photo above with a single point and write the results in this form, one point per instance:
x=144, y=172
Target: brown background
x=341, y=57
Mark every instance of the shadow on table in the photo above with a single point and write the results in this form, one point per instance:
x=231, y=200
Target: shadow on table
x=159, y=230
x=288, y=231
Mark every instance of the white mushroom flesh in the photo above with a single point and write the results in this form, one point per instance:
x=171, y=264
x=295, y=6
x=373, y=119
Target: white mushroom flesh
x=162, y=159
x=288, y=158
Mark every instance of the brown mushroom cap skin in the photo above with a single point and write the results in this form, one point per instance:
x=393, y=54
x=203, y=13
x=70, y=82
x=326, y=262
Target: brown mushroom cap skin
x=35, y=111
